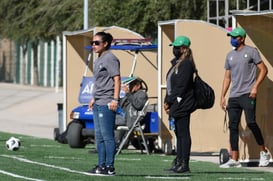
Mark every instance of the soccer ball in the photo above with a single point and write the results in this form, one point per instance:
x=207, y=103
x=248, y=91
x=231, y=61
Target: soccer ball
x=13, y=144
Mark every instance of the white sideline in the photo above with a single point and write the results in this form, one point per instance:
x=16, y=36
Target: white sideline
x=240, y=178
x=169, y=178
x=50, y=166
x=19, y=176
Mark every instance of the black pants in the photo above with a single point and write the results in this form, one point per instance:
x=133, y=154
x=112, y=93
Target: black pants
x=235, y=107
x=183, y=137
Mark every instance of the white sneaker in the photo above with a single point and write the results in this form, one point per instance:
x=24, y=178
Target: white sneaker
x=231, y=164
x=264, y=159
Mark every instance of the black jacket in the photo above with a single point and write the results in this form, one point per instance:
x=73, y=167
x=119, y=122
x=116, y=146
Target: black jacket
x=181, y=100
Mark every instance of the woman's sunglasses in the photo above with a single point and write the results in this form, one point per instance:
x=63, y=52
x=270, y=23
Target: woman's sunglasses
x=95, y=42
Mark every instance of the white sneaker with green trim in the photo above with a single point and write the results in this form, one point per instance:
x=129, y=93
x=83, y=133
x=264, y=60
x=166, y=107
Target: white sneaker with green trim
x=264, y=159
x=231, y=164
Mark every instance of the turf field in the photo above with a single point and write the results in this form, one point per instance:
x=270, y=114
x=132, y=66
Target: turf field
x=43, y=159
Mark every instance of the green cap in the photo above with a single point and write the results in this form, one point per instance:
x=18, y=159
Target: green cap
x=237, y=32
x=181, y=41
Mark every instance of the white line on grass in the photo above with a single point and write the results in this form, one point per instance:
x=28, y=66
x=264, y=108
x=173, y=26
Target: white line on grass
x=129, y=159
x=167, y=160
x=79, y=172
x=63, y=158
x=238, y=178
x=168, y=178
x=47, y=146
x=50, y=166
x=172, y=160
x=19, y=176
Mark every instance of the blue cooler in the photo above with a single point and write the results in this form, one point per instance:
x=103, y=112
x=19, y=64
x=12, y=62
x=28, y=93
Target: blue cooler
x=151, y=122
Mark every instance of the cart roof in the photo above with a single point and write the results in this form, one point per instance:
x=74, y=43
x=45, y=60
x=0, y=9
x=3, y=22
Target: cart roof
x=130, y=47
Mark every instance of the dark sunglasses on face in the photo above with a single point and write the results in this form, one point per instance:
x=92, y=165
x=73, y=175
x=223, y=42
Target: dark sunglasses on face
x=95, y=42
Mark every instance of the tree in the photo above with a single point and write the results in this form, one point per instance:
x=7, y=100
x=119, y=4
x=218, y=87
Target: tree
x=142, y=16
x=29, y=21
x=45, y=19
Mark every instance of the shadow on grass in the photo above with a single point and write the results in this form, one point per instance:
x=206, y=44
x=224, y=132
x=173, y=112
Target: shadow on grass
x=175, y=175
x=189, y=174
x=228, y=172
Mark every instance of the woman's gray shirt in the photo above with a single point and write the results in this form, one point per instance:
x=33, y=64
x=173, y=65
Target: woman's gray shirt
x=105, y=67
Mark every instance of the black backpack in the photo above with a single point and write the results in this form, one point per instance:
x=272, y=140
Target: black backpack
x=204, y=94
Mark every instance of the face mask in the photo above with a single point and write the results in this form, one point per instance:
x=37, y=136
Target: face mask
x=234, y=42
x=177, y=52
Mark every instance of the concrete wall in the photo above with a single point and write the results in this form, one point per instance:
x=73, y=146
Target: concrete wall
x=7, y=59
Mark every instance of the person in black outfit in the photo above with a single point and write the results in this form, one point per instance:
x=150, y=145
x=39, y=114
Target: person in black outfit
x=179, y=101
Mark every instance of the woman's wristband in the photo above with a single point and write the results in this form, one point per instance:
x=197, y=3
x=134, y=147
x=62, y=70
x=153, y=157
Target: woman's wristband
x=116, y=99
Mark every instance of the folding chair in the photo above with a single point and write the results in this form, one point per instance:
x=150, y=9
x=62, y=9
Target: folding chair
x=137, y=126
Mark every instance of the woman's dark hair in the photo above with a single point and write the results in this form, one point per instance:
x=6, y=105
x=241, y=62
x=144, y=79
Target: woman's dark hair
x=134, y=83
x=186, y=54
x=105, y=37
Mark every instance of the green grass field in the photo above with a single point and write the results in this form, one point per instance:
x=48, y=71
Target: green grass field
x=43, y=159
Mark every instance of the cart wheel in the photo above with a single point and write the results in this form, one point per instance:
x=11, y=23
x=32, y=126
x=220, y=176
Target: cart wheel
x=151, y=144
x=56, y=133
x=74, y=135
x=137, y=143
x=224, y=156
